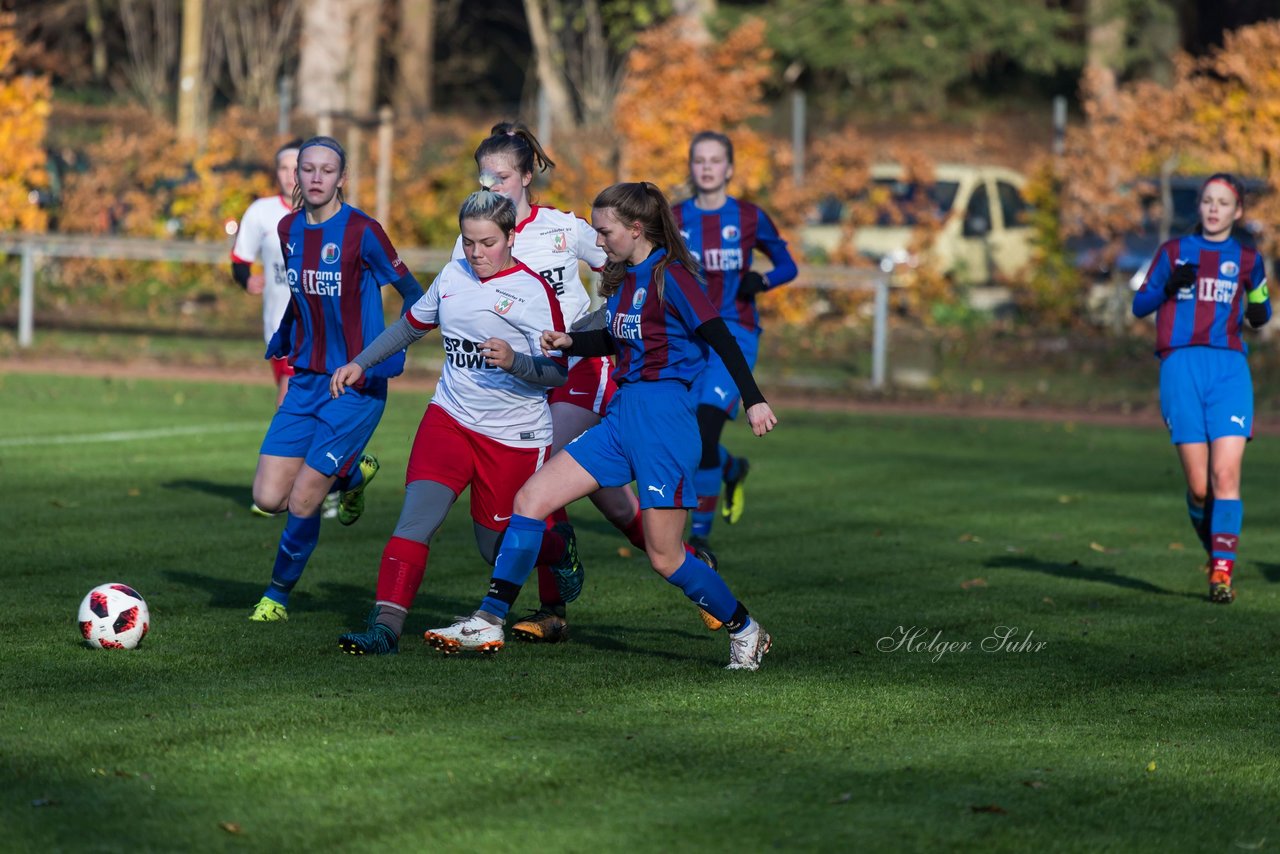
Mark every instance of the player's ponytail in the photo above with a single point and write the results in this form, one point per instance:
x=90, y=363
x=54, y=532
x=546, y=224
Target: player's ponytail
x=516, y=141
x=644, y=204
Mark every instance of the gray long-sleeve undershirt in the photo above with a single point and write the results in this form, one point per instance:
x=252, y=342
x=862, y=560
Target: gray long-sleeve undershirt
x=538, y=370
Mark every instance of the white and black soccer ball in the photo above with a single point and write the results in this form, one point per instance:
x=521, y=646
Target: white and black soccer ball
x=114, y=616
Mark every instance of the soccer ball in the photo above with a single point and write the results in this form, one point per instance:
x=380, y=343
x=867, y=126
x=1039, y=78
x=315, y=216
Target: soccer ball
x=113, y=616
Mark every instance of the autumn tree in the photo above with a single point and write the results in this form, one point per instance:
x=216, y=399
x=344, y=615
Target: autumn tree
x=675, y=88
x=24, y=111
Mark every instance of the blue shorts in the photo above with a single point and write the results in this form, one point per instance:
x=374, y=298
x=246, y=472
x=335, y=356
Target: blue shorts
x=714, y=387
x=649, y=435
x=329, y=434
x=1206, y=393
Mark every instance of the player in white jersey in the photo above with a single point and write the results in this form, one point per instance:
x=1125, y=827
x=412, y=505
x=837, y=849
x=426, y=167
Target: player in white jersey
x=552, y=242
x=488, y=426
x=257, y=238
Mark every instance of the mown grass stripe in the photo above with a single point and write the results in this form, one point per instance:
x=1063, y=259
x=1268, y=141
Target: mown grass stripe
x=132, y=435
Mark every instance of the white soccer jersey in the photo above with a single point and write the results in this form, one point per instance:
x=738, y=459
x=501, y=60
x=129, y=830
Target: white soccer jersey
x=551, y=242
x=515, y=305
x=258, y=235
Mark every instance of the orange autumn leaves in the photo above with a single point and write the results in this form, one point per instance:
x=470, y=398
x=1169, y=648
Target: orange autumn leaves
x=24, y=112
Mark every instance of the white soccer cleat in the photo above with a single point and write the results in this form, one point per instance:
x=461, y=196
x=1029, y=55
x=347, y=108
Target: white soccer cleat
x=747, y=647
x=329, y=510
x=473, y=633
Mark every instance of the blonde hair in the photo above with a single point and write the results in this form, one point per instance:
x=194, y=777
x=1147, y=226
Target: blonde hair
x=320, y=142
x=643, y=203
x=487, y=205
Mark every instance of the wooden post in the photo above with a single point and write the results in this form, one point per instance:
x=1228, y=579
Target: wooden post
x=386, y=145
x=355, y=141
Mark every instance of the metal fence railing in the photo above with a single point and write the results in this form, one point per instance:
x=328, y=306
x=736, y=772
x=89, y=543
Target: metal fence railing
x=34, y=248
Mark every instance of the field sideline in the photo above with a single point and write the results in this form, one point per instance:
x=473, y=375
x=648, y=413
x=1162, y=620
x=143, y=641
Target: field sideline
x=990, y=635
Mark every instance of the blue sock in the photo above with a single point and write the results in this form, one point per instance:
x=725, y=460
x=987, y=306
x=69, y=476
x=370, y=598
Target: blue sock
x=519, y=552
x=1228, y=515
x=1197, y=515
x=296, y=545
x=706, y=485
x=730, y=466
x=705, y=588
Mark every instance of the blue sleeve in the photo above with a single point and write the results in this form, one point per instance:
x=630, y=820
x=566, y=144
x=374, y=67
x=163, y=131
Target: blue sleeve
x=775, y=248
x=1151, y=294
x=381, y=257
x=408, y=288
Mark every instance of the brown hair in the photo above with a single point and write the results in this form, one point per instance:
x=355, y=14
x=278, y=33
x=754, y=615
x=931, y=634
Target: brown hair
x=643, y=203
x=515, y=140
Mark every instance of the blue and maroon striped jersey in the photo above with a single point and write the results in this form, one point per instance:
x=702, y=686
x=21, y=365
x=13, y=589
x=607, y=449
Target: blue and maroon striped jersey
x=655, y=338
x=722, y=240
x=1210, y=312
x=335, y=272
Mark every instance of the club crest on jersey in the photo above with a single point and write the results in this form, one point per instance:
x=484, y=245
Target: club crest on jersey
x=729, y=232
x=503, y=305
x=330, y=253
x=559, y=243
x=637, y=299
x=1229, y=268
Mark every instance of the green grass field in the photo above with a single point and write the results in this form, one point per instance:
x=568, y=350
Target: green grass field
x=1146, y=719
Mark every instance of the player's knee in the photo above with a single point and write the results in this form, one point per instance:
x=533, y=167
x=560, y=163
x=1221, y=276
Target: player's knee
x=268, y=499
x=1226, y=481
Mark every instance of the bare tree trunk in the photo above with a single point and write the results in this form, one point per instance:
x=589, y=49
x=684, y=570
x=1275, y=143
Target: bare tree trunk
x=325, y=60
x=366, y=25
x=1105, y=45
x=415, y=52
x=695, y=14
x=550, y=78
x=93, y=25
x=191, y=75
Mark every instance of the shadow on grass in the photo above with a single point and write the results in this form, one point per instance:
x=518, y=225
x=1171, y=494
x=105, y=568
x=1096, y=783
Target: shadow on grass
x=349, y=600
x=239, y=494
x=1270, y=571
x=1075, y=571
x=636, y=638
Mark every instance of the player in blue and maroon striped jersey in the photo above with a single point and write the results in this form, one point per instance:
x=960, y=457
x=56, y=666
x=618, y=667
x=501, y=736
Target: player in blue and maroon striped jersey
x=659, y=323
x=336, y=261
x=1202, y=288
x=722, y=233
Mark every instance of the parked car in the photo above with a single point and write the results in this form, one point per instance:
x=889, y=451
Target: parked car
x=984, y=229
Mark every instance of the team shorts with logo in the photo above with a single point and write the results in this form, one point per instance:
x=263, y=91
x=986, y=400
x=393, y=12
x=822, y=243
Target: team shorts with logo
x=714, y=387
x=588, y=386
x=328, y=433
x=280, y=368
x=446, y=452
x=649, y=435
x=1206, y=393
